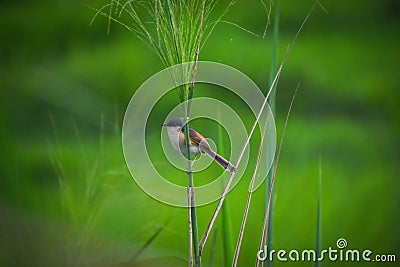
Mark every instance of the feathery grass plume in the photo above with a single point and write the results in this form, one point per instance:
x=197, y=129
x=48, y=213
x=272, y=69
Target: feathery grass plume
x=174, y=29
x=82, y=199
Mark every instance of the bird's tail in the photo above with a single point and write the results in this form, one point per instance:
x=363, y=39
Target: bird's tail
x=221, y=161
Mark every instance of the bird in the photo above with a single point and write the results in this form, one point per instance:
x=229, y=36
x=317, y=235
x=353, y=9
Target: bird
x=198, y=144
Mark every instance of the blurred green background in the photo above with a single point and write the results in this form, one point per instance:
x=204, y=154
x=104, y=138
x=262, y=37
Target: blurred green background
x=67, y=197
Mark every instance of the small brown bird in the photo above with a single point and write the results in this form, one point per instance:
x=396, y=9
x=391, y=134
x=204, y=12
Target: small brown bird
x=198, y=144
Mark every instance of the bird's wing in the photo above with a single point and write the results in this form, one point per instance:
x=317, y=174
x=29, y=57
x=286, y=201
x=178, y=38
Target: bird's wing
x=199, y=140
x=195, y=137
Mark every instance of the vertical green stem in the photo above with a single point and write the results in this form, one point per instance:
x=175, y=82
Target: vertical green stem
x=271, y=101
x=193, y=220
x=319, y=208
x=274, y=53
x=192, y=206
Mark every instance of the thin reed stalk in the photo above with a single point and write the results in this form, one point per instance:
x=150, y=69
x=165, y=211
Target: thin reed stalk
x=251, y=188
x=267, y=211
x=221, y=201
x=246, y=143
x=272, y=101
x=267, y=228
x=190, y=223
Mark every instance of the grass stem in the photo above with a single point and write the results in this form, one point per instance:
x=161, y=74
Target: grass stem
x=246, y=143
x=193, y=232
x=268, y=207
x=319, y=210
x=272, y=100
x=251, y=188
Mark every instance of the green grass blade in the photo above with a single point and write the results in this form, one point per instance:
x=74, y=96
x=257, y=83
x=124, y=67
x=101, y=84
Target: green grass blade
x=251, y=190
x=274, y=51
x=319, y=209
x=267, y=209
x=212, y=250
x=246, y=143
x=273, y=67
x=152, y=238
